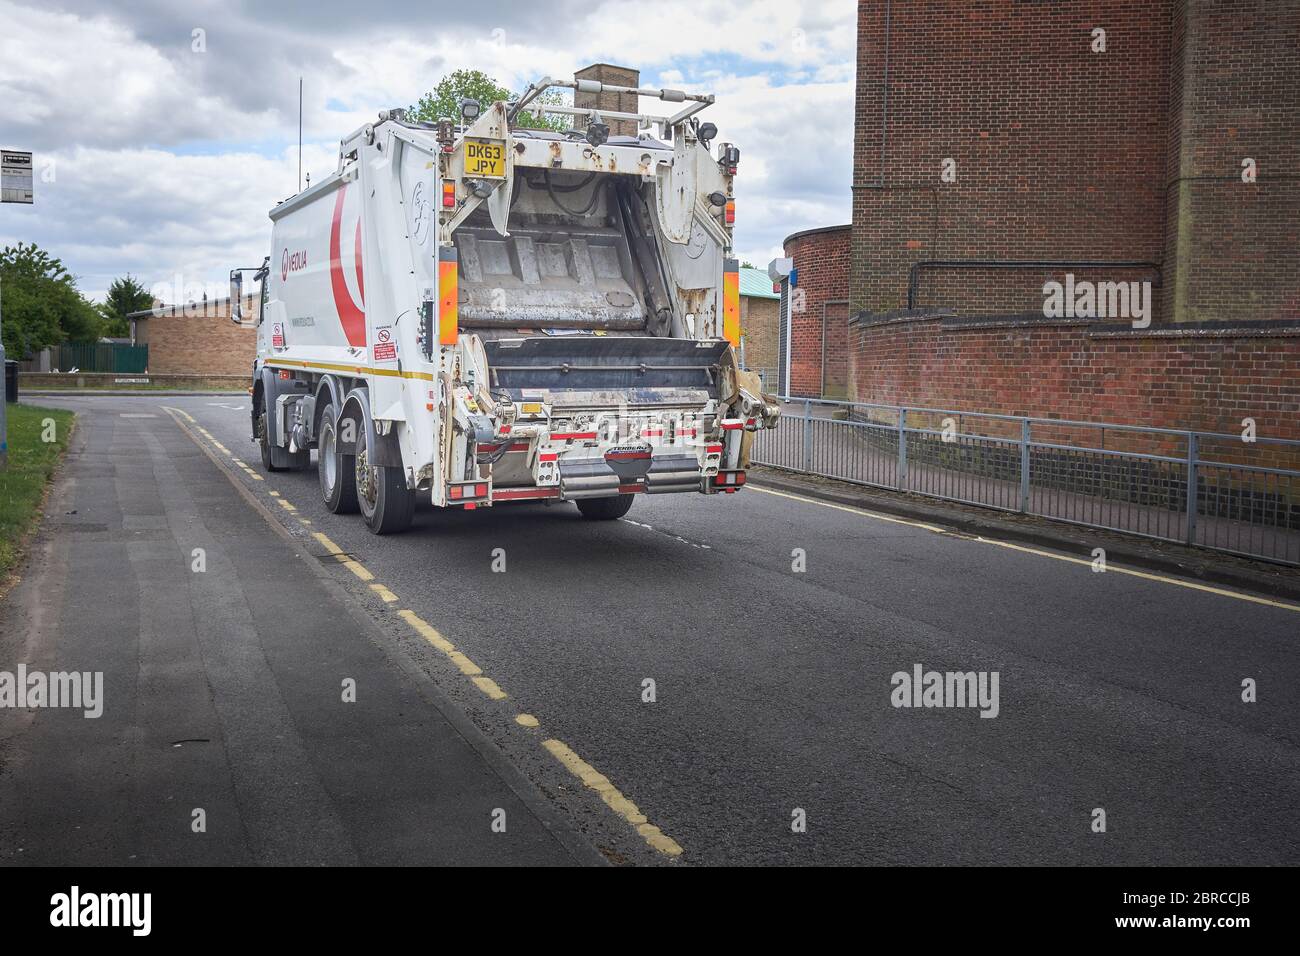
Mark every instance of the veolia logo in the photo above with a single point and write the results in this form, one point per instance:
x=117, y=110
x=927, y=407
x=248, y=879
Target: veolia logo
x=292, y=262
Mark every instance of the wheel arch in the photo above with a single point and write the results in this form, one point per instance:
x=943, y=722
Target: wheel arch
x=329, y=391
x=386, y=449
x=356, y=406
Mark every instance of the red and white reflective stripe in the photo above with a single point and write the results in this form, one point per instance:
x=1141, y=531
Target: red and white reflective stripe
x=573, y=436
x=687, y=432
x=713, y=449
x=652, y=433
x=520, y=446
x=731, y=424
x=513, y=494
x=549, y=456
x=626, y=455
x=630, y=489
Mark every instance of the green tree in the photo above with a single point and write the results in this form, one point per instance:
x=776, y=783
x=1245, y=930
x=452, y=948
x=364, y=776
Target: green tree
x=444, y=99
x=40, y=304
x=125, y=295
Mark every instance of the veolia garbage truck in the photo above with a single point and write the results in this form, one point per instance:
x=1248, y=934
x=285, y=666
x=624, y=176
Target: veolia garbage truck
x=481, y=313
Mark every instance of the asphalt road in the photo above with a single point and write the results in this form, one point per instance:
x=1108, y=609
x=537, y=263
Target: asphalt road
x=772, y=686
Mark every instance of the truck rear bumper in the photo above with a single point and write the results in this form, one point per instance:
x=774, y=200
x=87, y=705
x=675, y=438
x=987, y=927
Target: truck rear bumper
x=598, y=477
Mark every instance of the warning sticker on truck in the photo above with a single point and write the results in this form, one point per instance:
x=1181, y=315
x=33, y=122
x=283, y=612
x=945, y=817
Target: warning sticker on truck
x=385, y=348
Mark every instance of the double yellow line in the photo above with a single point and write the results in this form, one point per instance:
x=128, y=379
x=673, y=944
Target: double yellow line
x=590, y=777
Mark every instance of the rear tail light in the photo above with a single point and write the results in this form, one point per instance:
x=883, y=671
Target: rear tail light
x=730, y=212
x=448, y=194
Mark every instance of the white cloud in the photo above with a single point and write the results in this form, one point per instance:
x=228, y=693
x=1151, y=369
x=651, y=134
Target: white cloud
x=66, y=79
x=158, y=215
x=167, y=160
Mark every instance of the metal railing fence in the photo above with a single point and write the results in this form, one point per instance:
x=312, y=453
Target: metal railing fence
x=1206, y=489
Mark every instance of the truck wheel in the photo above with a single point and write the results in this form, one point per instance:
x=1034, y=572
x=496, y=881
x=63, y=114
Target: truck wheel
x=264, y=442
x=605, y=509
x=386, y=503
x=337, y=471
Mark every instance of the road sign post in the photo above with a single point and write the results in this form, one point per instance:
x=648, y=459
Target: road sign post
x=16, y=187
x=4, y=419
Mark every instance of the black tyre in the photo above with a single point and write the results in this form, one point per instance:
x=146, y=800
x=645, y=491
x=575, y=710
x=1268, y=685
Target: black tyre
x=337, y=471
x=264, y=443
x=385, y=501
x=605, y=509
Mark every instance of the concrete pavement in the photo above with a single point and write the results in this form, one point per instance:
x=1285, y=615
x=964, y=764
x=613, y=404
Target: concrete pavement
x=225, y=651
x=772, y=685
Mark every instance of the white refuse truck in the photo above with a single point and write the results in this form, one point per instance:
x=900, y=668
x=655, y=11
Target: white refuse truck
x=482, y=313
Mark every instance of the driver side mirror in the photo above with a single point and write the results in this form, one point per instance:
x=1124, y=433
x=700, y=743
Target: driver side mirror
x=236, y=296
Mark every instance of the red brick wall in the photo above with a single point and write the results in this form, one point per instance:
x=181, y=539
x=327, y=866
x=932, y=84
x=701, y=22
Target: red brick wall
x=1233, y=248
x=1057, y=149
x=1200, y=380
x=821, y=258
x=1064, y=153
x=199, y=340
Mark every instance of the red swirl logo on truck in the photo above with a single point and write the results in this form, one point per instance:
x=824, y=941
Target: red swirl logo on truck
x=352, y=316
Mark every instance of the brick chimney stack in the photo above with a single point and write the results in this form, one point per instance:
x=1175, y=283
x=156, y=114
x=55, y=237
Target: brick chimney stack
x=618, y=102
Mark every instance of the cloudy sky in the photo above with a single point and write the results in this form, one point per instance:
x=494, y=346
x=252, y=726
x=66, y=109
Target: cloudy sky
x=160, y=149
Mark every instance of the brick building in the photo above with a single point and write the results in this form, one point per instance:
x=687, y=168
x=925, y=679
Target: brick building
x=1005, y=144
x=197, y=339
x=760, y=309
x=815, y=339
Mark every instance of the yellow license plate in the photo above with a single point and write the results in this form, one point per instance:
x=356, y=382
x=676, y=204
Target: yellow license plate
x=485, y=158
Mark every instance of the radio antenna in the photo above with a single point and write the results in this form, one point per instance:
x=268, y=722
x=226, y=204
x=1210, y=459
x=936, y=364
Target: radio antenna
x=300, y=134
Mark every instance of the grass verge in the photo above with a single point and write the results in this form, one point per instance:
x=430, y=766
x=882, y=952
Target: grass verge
x=32, y=460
